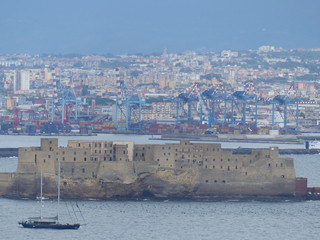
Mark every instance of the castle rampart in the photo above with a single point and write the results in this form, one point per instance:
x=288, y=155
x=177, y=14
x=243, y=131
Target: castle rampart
x=109, y=169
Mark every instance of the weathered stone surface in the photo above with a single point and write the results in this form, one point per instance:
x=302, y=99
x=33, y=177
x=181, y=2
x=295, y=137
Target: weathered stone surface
x=122, y=170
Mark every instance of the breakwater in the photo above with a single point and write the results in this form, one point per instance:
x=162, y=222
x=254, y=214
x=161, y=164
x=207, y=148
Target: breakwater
x=8, y=152
x=281, y=151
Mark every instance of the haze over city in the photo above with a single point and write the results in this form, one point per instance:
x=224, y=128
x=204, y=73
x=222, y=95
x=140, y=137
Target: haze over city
x=144, y=26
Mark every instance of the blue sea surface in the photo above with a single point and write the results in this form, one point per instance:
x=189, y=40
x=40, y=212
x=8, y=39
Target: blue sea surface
x=172, y=220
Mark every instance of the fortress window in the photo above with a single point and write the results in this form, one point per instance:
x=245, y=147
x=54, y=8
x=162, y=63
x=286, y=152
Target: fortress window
x=207, y=181
x=72, y=170
x=50, y=142
x=83, y=170
x=215, y=181
x=50, y=149
x=221, y=167
x=61, y=170
x=136, y=154
x=105, y=151
x=75, y=153
x=78, y=144
x=74, y=158
x=89, y=144
x=57, y=153
x=95, y=145
x=250, y=161
x=176, y=150
x=143, y=148
x=142, y=154
x=228, y=168
x=95, y=159
x=169, y=148
x=228, y=159
x=223, y=181
x=164, y=153
x=162, y=148
x=236, y=160
x=104, y=158
x=269, y=165
x=176, y=154
x=236, y=167
x=281, y=164
x=110, y=158
x=246, y=173
x=181, y=167
x=221, y=160
x=282, y=176
x=158, y=159
x=110, y=144
x=213, y=149
x=105, y=145
x=44, y=160
x=63, y=159
x=85, y=159
x=206, y=160
x=214, y=159
x=110, y=151
x=49, y=156
x=206, y=166
x=213, y=166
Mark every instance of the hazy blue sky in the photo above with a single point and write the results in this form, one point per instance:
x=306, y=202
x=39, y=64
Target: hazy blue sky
x=147, y=26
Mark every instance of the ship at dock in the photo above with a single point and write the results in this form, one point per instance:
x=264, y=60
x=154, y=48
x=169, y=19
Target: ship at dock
x=124, y=170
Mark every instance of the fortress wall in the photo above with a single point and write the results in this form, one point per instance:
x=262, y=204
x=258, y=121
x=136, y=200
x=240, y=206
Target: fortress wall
x=33, y=161
x=179, y=169
x=120, y=172
x=5, y=181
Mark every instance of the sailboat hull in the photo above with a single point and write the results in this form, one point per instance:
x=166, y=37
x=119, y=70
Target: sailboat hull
x=27, y=224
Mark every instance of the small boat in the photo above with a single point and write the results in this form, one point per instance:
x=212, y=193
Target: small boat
x=48, y=222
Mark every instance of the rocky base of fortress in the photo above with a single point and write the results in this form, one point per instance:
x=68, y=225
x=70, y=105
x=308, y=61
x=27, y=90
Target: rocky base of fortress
x=147, y=188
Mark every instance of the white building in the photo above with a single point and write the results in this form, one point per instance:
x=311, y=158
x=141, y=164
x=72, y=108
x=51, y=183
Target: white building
x=22, y=80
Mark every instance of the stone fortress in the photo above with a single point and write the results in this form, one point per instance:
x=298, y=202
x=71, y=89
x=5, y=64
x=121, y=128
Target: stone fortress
x=124, y=170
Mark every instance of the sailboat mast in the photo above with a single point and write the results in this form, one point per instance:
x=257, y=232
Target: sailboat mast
x=41, y=183
x=58, y=187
